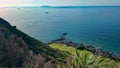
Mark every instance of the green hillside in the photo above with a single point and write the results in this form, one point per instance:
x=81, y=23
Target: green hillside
x=10, y=36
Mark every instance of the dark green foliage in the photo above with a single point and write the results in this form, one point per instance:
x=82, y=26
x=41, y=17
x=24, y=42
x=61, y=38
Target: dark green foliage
x=34, y=44
x=12, y=49
x=15, y=46
x=85, y=59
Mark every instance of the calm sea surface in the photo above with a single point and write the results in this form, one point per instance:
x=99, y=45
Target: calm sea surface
x=98, y=26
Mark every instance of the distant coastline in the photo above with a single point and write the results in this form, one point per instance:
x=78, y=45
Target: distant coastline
x=48, y=6
x=80, y=6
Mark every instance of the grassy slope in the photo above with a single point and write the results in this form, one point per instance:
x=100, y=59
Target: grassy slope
x=65, y=48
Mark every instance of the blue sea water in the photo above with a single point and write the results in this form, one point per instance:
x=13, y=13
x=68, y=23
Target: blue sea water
x=97, y=26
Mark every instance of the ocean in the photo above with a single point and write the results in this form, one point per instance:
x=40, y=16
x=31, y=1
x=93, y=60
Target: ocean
x=97, y=26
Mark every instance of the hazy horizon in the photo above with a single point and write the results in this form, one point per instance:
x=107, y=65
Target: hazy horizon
x=17, y=3
x=55, y=6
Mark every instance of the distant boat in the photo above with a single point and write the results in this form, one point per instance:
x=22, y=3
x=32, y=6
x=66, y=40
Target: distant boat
x=46, y=12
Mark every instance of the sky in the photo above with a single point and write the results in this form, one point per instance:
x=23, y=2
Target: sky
x=60, y=2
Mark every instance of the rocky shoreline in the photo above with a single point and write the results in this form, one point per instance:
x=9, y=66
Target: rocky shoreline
x=94, y=50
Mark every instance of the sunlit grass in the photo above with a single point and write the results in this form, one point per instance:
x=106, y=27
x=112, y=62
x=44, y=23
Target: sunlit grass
x=98, y=60
x=63, y=47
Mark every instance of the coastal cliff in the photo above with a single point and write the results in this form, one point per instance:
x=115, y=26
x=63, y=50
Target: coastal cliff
x=18, y=49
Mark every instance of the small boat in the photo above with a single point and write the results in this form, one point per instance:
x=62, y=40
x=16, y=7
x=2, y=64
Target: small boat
x=46, y=12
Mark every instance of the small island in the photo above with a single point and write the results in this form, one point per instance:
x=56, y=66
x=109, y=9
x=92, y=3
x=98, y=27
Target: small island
x=46, y=6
